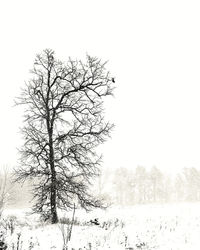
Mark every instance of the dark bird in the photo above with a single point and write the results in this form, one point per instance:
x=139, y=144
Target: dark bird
x=113, y=80
x=51, y=58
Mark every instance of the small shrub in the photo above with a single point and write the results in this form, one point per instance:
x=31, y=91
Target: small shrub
x=3, y=245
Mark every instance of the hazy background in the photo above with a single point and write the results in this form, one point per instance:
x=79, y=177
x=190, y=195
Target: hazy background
x=153, y=49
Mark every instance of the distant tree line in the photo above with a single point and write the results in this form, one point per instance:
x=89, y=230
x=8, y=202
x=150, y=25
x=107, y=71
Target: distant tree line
x=121, y=186
x=139, y=186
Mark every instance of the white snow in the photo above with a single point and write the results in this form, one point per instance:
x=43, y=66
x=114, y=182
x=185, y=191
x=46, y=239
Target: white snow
x=169, y=227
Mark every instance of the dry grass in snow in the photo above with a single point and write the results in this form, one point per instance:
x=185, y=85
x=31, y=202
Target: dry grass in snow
x=163, y=227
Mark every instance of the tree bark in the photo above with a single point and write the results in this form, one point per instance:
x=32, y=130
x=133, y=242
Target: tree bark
x=54, y=216
x=50, y=123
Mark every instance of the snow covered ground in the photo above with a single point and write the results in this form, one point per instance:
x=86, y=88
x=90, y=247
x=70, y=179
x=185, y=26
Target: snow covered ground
x=170, y=227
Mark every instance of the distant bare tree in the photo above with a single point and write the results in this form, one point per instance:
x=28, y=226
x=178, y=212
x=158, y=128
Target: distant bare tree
x=180, y=188
x=192, y=183
x=64, y=123
x=123, y=183
x=142, y=185
x=156, y=179
x=4, y=189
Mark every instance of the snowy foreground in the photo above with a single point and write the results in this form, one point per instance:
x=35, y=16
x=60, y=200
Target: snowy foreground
x=169, y=227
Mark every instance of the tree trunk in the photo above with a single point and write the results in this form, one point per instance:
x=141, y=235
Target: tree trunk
x=54, y=216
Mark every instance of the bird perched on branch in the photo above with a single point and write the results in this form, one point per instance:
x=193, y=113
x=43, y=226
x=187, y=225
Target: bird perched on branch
x=51, y=58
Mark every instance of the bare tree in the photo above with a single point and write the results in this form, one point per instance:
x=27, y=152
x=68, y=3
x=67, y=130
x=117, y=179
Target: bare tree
x=64, y=123
x=5, y=189
x=156, y=185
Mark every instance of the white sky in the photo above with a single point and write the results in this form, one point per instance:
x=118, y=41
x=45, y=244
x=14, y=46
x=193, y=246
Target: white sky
x=153, y=48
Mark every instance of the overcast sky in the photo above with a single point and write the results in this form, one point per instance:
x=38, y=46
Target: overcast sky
x=153, y=49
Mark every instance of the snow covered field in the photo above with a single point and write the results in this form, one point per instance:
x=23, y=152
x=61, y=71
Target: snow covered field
x=169, y=227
